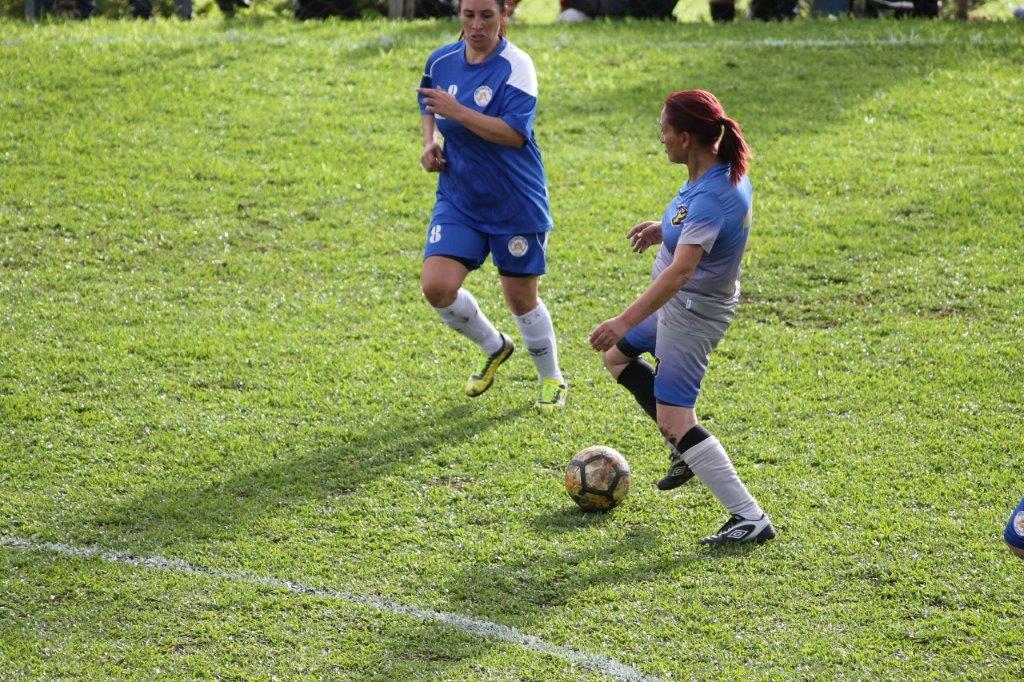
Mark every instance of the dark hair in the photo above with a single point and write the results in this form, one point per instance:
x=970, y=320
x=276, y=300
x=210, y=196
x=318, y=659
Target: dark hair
x=502, y=28
x=700, y=113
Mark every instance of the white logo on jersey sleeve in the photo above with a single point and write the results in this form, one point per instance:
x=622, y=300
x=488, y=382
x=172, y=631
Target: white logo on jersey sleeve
x=435, y=234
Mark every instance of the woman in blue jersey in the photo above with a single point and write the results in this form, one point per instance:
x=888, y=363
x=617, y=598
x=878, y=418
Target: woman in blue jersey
x=480, y=94
x=687, y=308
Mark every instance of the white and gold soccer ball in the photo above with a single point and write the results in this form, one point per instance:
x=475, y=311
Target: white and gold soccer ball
x=598, y=478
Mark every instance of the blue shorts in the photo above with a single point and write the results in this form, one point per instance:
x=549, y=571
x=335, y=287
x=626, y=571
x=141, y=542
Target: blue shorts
x=681, y=341
x=515, y=255
x=1014, y=533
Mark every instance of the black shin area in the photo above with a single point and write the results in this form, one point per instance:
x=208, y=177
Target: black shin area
x=695, y=436
x=638, y=378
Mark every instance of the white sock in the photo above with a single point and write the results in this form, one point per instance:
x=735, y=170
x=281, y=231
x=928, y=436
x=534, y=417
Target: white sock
x=712, y=466
x=539, y=335
x=465, y=317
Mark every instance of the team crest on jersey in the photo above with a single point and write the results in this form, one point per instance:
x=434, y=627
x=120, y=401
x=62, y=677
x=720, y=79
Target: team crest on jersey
x=1018, y=523
x=680, y=216
x=518, y=246
x=482, y=96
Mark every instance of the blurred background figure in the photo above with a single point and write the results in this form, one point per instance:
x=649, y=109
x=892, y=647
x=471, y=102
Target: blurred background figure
x=143, y=9
x=69, y=9
x=228, y=7
x=321, y=9
x=585, y=10
x=902, y=8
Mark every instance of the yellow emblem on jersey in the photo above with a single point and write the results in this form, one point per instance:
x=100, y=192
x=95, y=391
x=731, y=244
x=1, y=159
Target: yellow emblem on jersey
x=680, y=216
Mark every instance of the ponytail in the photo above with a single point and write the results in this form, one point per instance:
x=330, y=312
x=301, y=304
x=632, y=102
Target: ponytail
x=699, y=113
x=733, y=149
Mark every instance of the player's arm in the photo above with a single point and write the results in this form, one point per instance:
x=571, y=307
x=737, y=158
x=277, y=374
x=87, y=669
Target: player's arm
x=432, y=158
x=491, y=128
x=662, y=289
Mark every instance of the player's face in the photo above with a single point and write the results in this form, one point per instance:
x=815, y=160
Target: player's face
x=676, y=144
x=481, y=21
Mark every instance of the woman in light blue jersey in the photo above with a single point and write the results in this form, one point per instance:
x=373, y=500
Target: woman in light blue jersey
x=480, y=94
x=687, y=308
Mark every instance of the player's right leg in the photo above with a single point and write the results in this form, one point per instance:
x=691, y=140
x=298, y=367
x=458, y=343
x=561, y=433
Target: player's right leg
x=452, y=251
x=623, y=362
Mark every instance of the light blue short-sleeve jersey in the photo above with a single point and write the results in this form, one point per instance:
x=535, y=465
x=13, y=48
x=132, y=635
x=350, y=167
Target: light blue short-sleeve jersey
x=494, y=188
x=716, y=215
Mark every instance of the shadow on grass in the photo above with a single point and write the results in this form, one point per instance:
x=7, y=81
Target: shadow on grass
x=232, y=505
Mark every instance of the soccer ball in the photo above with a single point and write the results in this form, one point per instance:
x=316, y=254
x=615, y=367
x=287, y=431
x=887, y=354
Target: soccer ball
x=597, y=478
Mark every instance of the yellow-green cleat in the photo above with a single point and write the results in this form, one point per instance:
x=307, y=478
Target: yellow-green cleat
x=552, y=395
x=484, y=377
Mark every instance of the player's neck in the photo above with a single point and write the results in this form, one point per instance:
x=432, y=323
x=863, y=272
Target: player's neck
x=699, y=163
x=474, y=56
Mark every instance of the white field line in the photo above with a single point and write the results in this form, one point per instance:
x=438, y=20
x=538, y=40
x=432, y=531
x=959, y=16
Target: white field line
x=478, y=627
x=387, y=40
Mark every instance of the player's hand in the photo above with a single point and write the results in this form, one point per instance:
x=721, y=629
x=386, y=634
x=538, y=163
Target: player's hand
x=607, y=334
x=440, y=102
x=645, y=235
x=433, y=158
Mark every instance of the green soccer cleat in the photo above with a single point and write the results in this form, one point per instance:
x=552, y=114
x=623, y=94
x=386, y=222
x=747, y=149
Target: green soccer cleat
x=552, y=395
x=484, y=377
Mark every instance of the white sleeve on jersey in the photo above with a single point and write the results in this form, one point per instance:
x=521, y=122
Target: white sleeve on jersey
x=523, y=76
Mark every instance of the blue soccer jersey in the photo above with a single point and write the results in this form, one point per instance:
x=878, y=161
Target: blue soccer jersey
x=493, y=188
x=714, y=214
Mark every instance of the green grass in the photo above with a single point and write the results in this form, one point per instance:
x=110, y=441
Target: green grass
x=213, y=348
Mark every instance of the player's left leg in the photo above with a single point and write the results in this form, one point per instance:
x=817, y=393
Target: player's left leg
x=521, y=259
x=695, y=447
x=683, y=358
x=538, y=332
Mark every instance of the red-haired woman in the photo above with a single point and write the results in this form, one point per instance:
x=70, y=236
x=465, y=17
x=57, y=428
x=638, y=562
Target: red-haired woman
x=687, y=308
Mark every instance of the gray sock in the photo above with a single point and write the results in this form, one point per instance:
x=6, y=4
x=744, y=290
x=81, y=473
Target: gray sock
x=712, y=466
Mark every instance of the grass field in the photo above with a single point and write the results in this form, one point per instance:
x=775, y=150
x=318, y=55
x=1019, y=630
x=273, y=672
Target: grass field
x=213, y=350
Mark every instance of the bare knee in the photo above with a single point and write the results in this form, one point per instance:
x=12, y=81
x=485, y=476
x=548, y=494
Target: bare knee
x=438, y=292
x=521, y=293
x=615, y=361
x=520, y=303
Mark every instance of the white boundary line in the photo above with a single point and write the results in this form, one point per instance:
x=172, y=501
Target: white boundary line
x=478, y=627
